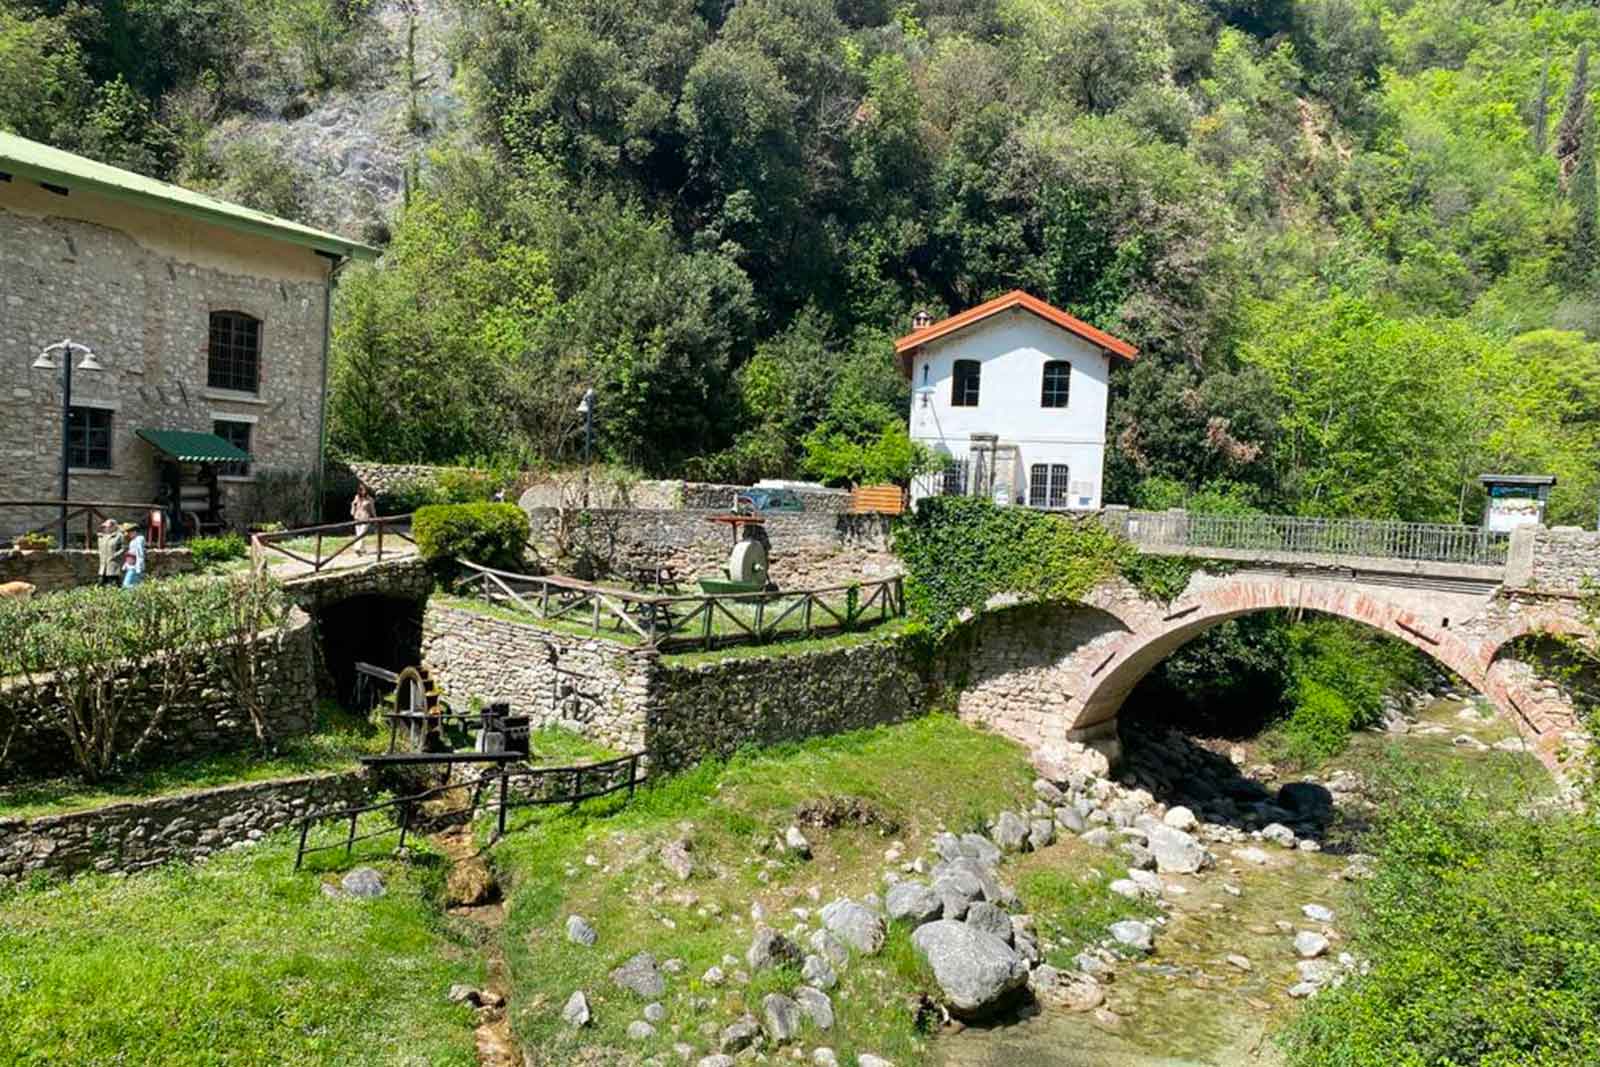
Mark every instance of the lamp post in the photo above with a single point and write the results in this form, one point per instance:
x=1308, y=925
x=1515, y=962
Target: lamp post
x=586, y=409
x=46, y=361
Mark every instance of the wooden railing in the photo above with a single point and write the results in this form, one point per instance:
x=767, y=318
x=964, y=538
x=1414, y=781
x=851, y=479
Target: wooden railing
x=512, y=788
x=92, y=512
x=1365, y=538
x=705, y=621
x=307, y=545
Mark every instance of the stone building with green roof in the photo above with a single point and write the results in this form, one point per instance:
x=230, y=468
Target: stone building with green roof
x=209, y=323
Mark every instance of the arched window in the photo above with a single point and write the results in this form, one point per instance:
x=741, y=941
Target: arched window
x=1057, y=383
x=964, y=384
x=234, y=354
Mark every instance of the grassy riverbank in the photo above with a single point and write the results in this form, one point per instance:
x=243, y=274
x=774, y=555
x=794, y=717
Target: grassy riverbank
x=233, y=963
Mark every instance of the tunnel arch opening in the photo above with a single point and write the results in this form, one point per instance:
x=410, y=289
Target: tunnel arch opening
x=385, y=631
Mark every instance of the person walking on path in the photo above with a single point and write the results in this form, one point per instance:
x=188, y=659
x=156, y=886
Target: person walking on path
x=363, y=509
x=133, y=560
x=112, y=544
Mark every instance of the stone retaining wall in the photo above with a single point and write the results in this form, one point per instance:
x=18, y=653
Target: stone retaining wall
x=807, y=550
x=55, y=571
x=715, y=708
x=594, y=687
x=669, y=494
x=205, y=720
x=138, y=834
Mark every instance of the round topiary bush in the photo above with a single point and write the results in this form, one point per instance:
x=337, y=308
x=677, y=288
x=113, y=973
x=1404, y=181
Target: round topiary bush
x=494, y=535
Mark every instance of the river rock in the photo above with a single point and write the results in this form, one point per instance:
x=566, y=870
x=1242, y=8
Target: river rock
x=818, y=972
x=1252, y=855
x=1127, y=887
x=824, y=1057
x=816, y=1006
x=867, y=1059
x=855, y=925
x=639, y=1030
x=980, y=848
x=640, y=976
x=1010, y=832
x=1317, y=913
x=991, y=919
x=780, y=1018
x=1176, y=852
x=829, y=948
x=946, y=846
x=1240, y=962
x=675, y=858
x=1041, y=833
x=739, y=1035
x=796, y=842
x=957, y=890
x=1307, y=800
x=913, y=901
x=976, y=971
x=1134, y=934
x=1180, y=818
x=1309, y=945
x=1069, y=819
x=1099, y=837
x=769, y=948
x=579, y=932
x=364, y=883
x=576, y=1013
x=1278, y=834
x=716, y=1060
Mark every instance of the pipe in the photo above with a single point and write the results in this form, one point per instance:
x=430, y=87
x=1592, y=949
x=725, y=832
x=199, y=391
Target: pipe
x=339, y=263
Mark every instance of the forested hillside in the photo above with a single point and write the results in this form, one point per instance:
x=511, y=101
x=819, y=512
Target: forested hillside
x=1356, y=242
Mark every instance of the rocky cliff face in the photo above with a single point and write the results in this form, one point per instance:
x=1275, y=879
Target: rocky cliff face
x=352, y=146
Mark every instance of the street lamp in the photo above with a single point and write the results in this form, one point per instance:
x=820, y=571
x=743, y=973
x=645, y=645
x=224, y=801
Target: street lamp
x=586, y=409
x=47, y=361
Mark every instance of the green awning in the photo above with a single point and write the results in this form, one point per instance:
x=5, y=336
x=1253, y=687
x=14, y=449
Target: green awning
x=189, y=446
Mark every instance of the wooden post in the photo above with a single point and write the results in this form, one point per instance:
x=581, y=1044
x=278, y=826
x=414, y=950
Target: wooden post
x=633, y=774
x=350, y=842
x=807, y=613
x=760, y=611
x=405, y=821
x=300, y=853
x=705, y=630
x=501, y=823
x=380, y=540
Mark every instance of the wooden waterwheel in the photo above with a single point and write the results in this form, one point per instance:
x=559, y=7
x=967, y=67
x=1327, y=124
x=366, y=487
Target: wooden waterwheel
x=416, y=697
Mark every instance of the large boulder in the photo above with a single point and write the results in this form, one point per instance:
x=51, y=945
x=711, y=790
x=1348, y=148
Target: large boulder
x=1176, y=852
x=957, y=889
x=856, y=925
x=913, y=902
x=977, y=972
x=780, y=1018
x=1010, y=832
x=1306, y=800
x=991, y=919
x=816, y=1005
x=769, y=948
x=980, y=848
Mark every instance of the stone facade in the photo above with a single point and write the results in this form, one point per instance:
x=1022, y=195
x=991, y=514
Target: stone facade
x=670, y=495
x=54, y=571
x=139, y=287
x=205, y=720
x=715, y=708
x=139, y=834
x=594, y=687
x=807, y=550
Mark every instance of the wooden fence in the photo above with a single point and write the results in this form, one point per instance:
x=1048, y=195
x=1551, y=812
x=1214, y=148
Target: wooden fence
x=877, y=499
x=704, y=621
x=92, y=512
x=318, y=547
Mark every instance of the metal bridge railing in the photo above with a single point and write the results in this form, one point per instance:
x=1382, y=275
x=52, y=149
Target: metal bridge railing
x=1422, y=541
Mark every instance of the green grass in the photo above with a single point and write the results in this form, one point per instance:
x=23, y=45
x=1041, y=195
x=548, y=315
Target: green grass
x=782, y=649
x=918, y=775
x=1072, y=905
x=340, y=737
x=238, y=961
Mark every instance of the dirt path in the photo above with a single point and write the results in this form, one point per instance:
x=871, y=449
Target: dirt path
x=471, y=882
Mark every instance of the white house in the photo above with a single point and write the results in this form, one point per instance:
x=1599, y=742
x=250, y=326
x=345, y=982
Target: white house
x=1014, y=393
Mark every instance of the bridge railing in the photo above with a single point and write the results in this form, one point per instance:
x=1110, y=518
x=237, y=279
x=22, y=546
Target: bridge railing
x=1372, y=539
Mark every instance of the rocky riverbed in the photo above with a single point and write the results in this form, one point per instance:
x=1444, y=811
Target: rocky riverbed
x=1237, y=945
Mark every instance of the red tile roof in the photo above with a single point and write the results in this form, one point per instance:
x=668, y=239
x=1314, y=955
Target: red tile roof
x=907, y=345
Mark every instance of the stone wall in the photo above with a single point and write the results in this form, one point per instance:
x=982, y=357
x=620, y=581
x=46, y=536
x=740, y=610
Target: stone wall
x=807, y=550
x=402, y=578
x=719, y=497
x=668, y=495
x=206, y=719
x=54, y=571
x=139, y=834
x=1563, y=558
x=139, y=288
x=343, y=475
x=715, y=708
x=594, y=687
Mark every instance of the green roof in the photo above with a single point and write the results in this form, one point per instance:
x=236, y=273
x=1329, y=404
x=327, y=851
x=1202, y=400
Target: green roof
x=189, y=446
x=23, y=158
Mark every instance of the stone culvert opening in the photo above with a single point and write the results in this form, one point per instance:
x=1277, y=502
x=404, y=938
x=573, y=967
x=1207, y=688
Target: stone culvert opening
x=381, y=630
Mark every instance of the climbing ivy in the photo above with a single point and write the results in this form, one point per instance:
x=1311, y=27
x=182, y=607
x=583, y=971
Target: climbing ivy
x=1161, y=578
x=961, y=551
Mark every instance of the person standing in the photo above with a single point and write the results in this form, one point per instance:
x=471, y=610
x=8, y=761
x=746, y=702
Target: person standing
x=112, y=544
x=133, y=560
x=363, y=509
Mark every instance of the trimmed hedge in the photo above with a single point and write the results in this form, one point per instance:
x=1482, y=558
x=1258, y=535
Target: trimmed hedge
x=495, y=535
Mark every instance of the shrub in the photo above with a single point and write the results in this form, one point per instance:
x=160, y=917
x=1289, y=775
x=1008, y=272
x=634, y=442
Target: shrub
x=494, y=535
x=211, y=551
x=1318, y=726
x=1482, y=931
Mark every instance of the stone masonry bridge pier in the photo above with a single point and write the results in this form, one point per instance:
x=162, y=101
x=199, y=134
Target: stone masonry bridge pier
x=1050, y=675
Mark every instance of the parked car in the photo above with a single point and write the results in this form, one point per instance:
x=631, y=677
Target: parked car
x=768, y=501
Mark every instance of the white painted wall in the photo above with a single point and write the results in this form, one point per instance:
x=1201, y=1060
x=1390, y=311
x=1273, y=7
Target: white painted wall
x=1013, y=347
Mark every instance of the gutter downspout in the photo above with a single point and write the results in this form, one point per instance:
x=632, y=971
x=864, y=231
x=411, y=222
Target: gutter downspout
x=339, y=263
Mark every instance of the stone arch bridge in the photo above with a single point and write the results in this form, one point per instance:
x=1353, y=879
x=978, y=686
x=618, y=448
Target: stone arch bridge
x=1051, y=675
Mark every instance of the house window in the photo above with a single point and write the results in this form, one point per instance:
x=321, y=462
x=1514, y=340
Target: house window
x=235, y=352
x=236, y=434
x=1047, y=486
x=89, y=438
x=955, y=478
x=964, y=384
x=1057, y=381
